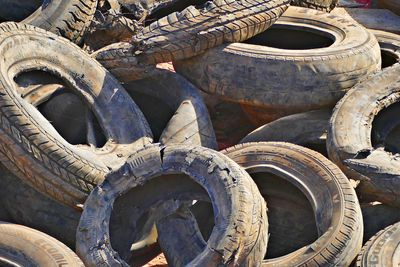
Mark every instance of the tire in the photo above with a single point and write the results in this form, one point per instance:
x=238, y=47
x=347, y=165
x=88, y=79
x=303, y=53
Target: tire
x=69, y=19
x=12, y=10
x=383, y=249
x=392, y=5
x=54, y=167
x=340, y=239
x=315, y=78
x=377, y=216
x=200, y=29
x=349, y=141
x=233, y=192
x=23, y=246
x=323, y=5
x=189, y=122
x=307, y=129
x=390, y=47
x=28, y=207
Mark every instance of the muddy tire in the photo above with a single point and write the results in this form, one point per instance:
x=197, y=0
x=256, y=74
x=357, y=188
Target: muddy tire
x=69, y=19
x=235, y=198
x=349, y=136
x=199, y=29
x=390, y=47
x=189, y=122
x=23, y=246
x=12, y=10
x=54, y=167
x=392, y=5
x=307, y=129
x=316, y=78
x=383, y=249
x=339, y=220
x=323, y=5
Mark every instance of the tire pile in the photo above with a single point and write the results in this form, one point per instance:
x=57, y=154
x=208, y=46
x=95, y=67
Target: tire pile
x=273, y=140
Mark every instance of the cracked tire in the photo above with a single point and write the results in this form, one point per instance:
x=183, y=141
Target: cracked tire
x=54, y=167
x=383, y=249
x=236, y=200
x=314, y=78
x=23, y=246
x=69, y=19
x=338, y=217
x=188, y=33
x=350, y=144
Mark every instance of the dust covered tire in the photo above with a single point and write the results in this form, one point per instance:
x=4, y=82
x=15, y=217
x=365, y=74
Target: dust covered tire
x=339, y=220
x=315, y=78
x=236, y=201
x=349, y=141
x=383, y=249
x=188, y=33
x=60, y=170
x=23, y=246
x=69, y=19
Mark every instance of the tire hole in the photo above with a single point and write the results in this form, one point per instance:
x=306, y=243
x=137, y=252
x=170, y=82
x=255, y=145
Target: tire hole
x=389, y=58
x=291, y=217
x=60, y=105
x=292, y=38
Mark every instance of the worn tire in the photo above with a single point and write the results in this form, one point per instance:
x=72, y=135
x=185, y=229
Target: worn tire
x=392, y=5
x=390, y=47
x=235, y=199
x=69, y=19
x=383, y=249
x=28, y=207
x=60, y=170
x=12, y=10
x=308, y=129
x=188, y=33
x=189, y=122
x=340, y=236
x=349, y=136
x=23, y=246
x=378, y=216
x=323, y=5
x=314, y=78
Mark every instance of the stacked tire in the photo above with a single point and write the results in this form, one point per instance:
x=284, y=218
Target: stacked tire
x=121, y=158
